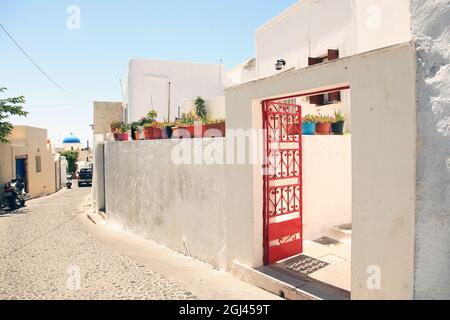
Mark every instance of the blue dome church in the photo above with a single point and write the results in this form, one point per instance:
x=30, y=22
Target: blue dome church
x=71, y=143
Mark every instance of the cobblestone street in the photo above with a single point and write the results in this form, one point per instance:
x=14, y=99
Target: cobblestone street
x=45, y=253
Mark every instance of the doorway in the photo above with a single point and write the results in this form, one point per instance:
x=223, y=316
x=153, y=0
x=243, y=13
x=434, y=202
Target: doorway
x=22, y=170
x=307, y=188
x=282, y=181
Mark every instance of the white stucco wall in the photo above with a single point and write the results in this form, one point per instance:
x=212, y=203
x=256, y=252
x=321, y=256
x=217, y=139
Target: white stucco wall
x=383, y=164
x=179, y=206
x=64, y=167
x=311, y=27
x=327, y=184
x=241, y=73
x=430, y=25
x=98, y=179
x=148, y=80
x=215, y=107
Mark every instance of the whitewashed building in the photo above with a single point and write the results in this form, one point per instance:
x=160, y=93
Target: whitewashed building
x=163, y=86
x=315, y=31
x=310, y=28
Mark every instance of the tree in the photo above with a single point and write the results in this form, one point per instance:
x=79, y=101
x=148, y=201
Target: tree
x=9, y=107
x=72, y=158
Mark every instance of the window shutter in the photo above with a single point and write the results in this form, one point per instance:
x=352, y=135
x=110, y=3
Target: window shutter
x=317, y=100
x=313, y=61
x=333, y=54
x=335, y=96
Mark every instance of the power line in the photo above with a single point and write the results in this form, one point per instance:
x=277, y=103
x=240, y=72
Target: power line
x=35, y=64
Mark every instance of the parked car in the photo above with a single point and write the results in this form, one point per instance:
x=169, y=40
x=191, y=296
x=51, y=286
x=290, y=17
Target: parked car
x=85, y=177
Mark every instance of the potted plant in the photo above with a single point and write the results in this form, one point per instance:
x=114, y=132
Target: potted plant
x=215, y=128
x=200, y=121
x=115, y=129
x=123, y=132
x=200, y=108
x=153, y=131
x=190, y=122
x=179, y=130
x=135, y=133
x=323, y=125
x=309, y=125
x=151, y=127
x=167, y=129
x=197, y=129
x=337, y=127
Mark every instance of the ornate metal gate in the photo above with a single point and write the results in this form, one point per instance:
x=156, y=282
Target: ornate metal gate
x=283, y=236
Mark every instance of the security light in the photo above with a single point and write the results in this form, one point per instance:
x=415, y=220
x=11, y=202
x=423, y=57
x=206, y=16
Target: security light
x=280, y=64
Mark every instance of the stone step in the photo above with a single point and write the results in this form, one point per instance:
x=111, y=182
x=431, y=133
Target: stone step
x=285, y=285
x=341, y=233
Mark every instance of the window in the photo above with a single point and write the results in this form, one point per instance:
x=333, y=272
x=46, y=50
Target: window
x=328, y=98
x=38, y=164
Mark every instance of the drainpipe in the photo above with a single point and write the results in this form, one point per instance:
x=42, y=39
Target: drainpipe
x=168, y=108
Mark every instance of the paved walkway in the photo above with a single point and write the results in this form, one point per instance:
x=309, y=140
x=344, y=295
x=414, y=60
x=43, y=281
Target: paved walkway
x=46, y=253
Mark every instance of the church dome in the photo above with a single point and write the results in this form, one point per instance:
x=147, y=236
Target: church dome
x=71, y=138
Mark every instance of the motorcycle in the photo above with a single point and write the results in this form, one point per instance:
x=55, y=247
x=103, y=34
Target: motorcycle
x=14, y=194
x=69, y=184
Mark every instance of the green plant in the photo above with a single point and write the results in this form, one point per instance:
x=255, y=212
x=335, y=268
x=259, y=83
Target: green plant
x=135, y=125
x=152, y=115
x=310, y=118
x=9, y=107
x=186, y=119
x=214, y=121
x=200, y=108
x=167, y=123
x=154, y=124
x=324, y=119
x=124, y=128
x=116, y=125
x=339, y=116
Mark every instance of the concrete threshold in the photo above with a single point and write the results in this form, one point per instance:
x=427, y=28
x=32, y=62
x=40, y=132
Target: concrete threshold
x=286, y=285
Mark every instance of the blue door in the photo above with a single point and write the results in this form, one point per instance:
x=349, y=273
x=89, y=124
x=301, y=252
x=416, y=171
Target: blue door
x=21, y=171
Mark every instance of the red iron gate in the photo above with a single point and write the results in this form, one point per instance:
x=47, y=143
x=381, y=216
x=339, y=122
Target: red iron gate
x=283, y=236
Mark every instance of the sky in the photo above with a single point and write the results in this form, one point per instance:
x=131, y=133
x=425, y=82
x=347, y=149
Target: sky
x=87, y=62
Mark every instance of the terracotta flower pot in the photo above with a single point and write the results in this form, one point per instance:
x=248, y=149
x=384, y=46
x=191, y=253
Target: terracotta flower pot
x=196, y=131
x=215, y=130
x=137, y=135
x=117, y=136
x=180, y=133
x=323, y=129
x=123, y=136
x=152, y=133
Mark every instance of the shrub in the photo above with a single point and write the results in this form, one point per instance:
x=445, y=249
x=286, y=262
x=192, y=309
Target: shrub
x=200, y=106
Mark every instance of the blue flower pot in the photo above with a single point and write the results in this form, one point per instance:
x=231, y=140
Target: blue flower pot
x=309, y=128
